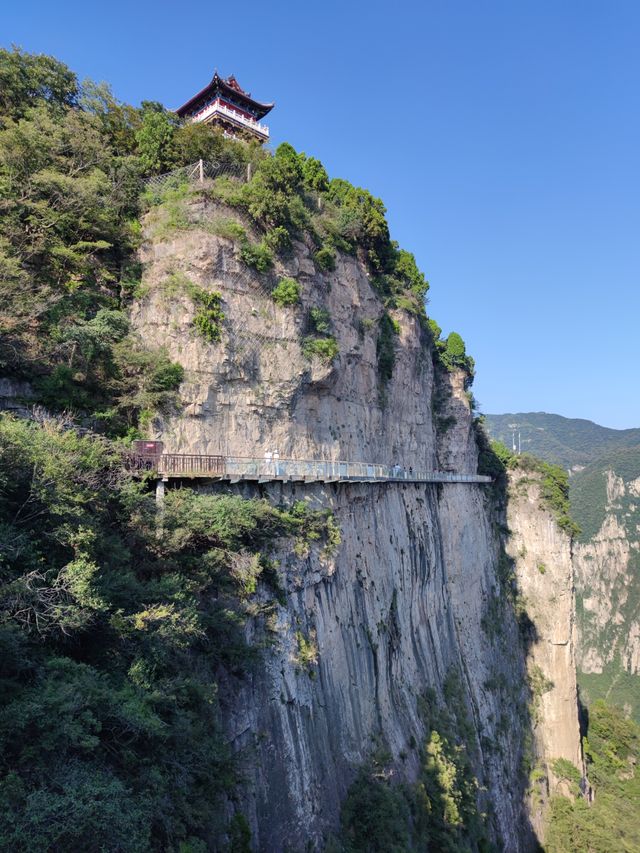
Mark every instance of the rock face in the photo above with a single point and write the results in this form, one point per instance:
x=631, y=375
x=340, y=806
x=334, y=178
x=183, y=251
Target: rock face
x=257, y=392
x=541, y=555
x=16, y=397
x=403, y=603
x=607, y=577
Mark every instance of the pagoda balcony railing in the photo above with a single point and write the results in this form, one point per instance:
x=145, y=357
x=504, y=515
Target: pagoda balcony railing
x=216, y=108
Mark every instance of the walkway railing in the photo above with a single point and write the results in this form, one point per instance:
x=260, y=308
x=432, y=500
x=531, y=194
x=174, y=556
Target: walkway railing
x=237, y=468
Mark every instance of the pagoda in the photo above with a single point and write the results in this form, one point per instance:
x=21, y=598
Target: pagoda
x=224, y=103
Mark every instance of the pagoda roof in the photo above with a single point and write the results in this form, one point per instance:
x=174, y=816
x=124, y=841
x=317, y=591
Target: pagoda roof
x=229, y=87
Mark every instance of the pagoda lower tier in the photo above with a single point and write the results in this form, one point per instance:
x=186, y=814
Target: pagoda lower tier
x=225, y=104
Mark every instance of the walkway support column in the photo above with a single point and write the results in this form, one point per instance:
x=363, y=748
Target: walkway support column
x=160, y=506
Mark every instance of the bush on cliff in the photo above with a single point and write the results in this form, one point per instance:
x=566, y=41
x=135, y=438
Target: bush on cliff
x=286, y=292
x=440, y=810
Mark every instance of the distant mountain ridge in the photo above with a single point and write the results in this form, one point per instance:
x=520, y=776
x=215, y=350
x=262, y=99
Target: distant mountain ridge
x=565, y=441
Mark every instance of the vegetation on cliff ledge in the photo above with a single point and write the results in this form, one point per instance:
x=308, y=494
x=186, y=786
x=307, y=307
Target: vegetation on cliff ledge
x=116, y=625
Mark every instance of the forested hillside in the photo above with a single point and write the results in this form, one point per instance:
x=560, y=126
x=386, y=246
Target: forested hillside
x=112, y=639
x=564, y=441
x=610, y=823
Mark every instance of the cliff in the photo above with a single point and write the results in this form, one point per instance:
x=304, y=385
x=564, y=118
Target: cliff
x=604, y=466
x=542, y=563
x=411, y=603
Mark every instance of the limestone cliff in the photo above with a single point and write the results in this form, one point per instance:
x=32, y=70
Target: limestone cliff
x=541, y=555
x=408, y=597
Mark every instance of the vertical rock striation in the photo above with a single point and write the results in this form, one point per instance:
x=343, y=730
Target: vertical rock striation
x=541, y=555
x=404, y=602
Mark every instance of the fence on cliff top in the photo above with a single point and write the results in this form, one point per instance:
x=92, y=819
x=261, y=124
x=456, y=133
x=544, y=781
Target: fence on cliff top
x=198, y=172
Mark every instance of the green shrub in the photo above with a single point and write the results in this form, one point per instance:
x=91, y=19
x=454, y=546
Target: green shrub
x=314, y=175
x=406, y=269
x=307, y=656
x=365, y=325
x=453, y=355
x=277, y=240
x=435, y=329
x=239, y=835
x=209, y=315
x=565, y=769
x=287, y=292
x=326, y=349
x=259, y=256
x=410, y=304
x=319, y=321
x=228, y=228
x=375, y=817
x=325, y=258
x=362, y=219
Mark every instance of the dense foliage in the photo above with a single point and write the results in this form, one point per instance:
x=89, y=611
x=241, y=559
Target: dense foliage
x=610, y=822
x=115, y=624
x=441, y=810
x=286, y=292
x=290, y=195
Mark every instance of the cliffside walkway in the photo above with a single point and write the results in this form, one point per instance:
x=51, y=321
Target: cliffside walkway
x=237, y=469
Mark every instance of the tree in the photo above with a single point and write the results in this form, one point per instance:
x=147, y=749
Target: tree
x=455, y=347
x=407, y=270
x=27, y=78
x=155, y=138
x=119, y=121
x=314, y=174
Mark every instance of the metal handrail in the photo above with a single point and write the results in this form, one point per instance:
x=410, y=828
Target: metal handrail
x=283, y=469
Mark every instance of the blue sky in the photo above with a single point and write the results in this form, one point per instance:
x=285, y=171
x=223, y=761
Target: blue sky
x=504, y=138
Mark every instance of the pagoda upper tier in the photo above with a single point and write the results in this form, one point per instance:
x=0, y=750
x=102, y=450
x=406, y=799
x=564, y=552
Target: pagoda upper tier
x=224, y=102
